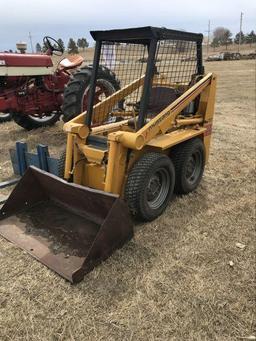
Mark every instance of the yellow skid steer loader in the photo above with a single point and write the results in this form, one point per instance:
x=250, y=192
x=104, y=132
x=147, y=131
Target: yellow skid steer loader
x=125, y=156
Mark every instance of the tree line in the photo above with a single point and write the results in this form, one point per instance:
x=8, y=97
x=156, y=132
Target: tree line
x=222, y=36
x=72, y=47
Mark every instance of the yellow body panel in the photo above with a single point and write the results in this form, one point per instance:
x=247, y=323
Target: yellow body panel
x=94, y=176
x=92, y=154
x=107, y=169
x=169, y=140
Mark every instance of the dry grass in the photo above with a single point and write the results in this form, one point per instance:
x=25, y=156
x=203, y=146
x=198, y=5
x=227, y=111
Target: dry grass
x=173, y=281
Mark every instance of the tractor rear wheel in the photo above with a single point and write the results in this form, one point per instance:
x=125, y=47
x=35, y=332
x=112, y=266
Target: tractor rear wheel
x=149, y=186
x=5, y=117
x=30, y=122
x=76, y=92
x=189, y=161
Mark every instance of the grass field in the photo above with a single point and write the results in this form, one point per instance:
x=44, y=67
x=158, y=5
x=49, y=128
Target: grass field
x=174, y=280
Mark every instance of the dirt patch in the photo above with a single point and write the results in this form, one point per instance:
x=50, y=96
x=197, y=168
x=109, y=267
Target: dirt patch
x=59, y=228
x=174, y=281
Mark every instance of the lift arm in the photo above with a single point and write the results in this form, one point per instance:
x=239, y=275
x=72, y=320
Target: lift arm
x=164, y=120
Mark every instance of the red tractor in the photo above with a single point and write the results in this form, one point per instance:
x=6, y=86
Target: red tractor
x=31, y=88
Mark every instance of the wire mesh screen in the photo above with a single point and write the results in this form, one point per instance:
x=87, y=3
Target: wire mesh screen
x=175, y=66
x=177, y=60
x=128, y=63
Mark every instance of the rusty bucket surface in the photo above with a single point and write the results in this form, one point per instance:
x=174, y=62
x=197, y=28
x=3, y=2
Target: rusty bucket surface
x=67, y=227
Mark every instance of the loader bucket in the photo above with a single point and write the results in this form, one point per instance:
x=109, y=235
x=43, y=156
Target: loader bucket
x=67, y=227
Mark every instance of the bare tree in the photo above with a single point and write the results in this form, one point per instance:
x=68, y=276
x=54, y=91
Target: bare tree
x=222, y=36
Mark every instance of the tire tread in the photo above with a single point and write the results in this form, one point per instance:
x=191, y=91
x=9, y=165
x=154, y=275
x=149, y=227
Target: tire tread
x=179, y=155
x=135, y=182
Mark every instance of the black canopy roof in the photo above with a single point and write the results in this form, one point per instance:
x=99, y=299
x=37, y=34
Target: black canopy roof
x=141, y=35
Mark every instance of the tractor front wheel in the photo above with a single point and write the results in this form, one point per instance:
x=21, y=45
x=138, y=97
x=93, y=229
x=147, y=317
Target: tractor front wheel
x=30, y=122
x=149, y=186
x=5, y=117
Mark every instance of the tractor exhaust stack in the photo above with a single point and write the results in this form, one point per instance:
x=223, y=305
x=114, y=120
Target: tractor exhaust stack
x=68, y=227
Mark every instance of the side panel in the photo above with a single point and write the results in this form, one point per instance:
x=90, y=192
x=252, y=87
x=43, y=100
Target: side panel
x=25, y=71
x=117, y=160
x=93, y=176
x=166, y=141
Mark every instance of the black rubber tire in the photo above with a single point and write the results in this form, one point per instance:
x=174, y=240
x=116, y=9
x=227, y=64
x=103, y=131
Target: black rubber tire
x=138, y=181
x=28, y=123
x=181, y=156
x=75, y=89
x=5, y=117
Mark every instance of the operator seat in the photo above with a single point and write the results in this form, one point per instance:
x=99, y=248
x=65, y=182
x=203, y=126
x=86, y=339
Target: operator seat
x=160, y=97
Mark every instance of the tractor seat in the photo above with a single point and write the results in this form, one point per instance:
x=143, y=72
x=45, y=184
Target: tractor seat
x=71, y=62
x=160, y=98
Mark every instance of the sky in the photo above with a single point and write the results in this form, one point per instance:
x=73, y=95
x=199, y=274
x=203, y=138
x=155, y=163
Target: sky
x=75, y=18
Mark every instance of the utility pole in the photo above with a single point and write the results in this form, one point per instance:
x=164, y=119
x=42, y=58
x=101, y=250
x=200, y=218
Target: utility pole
x=208, y=39
x=240, y=33
x=31, y=43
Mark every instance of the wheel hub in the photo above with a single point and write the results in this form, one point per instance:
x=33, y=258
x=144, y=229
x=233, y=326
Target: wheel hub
x=158, y=188
x=154, y=187
x=102, y=91
x=193, y=167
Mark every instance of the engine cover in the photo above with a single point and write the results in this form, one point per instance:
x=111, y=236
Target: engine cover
x=14, y=64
